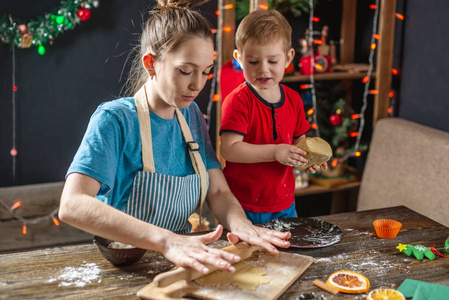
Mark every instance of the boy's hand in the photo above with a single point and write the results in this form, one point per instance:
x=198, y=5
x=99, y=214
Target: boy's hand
x=290, y=155
x=259, y=236
x=316, y=168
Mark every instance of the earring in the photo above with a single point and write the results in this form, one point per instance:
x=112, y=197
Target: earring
x=151, y=73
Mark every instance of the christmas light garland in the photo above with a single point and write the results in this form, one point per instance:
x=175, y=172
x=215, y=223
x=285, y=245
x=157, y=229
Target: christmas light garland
x=51, y=216
x=45, y=28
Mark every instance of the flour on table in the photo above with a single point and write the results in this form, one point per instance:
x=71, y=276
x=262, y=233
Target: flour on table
x=79, y=277
x=246, y=277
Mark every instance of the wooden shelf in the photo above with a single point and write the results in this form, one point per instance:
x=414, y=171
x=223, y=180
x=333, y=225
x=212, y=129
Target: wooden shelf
x=340, y=72
x=324, y=76
x=318, y=189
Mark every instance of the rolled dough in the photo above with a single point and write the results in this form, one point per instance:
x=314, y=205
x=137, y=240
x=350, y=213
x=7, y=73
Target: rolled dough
x=246, y=277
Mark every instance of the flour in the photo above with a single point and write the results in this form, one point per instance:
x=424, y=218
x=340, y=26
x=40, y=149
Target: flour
x=279, y=225
x=375, y=260
x=79, y=277
x=353, y=232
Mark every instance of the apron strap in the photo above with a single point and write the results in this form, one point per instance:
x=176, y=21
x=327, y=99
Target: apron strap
x=195, y=156
x=143, y=114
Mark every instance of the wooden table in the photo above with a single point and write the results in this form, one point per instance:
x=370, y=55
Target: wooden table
x=81, y=272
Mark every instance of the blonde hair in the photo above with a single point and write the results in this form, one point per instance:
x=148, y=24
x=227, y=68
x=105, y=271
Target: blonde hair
x=170, y=24
x=264, y=26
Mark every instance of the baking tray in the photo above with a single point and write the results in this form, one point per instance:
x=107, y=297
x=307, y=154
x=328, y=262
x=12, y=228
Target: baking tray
x=307, y=232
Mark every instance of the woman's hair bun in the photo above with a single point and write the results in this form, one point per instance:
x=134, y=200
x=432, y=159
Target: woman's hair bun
x=166, y=4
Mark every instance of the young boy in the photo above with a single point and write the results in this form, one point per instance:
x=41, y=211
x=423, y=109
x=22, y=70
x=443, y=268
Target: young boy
x=262, y=121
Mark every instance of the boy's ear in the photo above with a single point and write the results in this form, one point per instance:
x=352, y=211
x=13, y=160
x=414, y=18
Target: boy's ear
x=236, y=55
x=289, y=57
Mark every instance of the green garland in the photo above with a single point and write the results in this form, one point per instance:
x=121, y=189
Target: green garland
x=44, y=28
x=295, y=7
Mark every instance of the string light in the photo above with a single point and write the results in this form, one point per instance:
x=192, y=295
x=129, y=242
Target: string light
x=13, y=151
x=357, y=153
x=17, y=204
x=334, y=162
x=305, y=86
x=227, y=6
x=312, y=65
x=400, y=16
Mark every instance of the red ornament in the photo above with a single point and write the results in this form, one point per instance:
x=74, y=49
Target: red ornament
x=336, y=119
x=22, y=28
x=84, y=14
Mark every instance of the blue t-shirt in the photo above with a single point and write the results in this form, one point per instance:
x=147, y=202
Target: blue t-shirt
x=111, y=150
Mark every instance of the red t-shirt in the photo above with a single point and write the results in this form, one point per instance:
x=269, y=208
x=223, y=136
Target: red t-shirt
x=269, y=186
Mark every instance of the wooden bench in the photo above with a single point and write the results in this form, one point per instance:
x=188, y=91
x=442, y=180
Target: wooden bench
x=39, y=202
x=407, y=164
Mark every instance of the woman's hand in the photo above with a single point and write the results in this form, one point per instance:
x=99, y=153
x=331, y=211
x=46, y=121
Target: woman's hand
x=258, y=236
x=290, y=155
x=191, y=251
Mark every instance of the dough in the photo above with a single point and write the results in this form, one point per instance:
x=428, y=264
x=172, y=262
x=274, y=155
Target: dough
x=246, y=277
x=318, y=152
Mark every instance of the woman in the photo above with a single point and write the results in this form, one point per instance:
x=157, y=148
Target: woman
x=145, y=156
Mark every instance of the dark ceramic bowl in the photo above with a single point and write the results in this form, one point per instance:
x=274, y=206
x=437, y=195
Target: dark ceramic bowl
x=118, y=257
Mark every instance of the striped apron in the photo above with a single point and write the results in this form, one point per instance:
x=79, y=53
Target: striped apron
x=164, y=200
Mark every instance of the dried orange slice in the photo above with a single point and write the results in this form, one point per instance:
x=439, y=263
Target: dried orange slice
x=348, y=282
x=385, y=294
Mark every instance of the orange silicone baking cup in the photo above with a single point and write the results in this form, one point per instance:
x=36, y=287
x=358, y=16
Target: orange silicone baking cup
x=386, y=228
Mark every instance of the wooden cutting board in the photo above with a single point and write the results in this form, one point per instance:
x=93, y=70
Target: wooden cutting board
x=282, y=270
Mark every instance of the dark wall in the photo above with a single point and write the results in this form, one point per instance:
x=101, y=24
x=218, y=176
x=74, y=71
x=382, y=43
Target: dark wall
x=58, y=92
x=425, y=67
